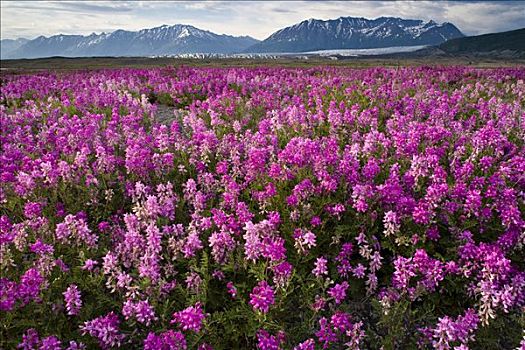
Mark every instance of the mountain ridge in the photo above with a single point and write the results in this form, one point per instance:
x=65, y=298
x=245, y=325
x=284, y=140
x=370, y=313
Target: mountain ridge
x=166, y=40
x=8, y=45
x=356, y=33
x=161, y=40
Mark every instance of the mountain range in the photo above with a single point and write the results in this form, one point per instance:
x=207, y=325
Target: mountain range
x=384, y=33
x=356, y=33
x=163, y=40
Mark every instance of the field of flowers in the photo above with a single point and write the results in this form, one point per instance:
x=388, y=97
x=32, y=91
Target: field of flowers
x=263, y=208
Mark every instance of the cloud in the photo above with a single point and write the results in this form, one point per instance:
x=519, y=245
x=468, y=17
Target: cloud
x=69, y=6
x=96, y=7
x=256, y=18
x=478, y=18
x=282, y=10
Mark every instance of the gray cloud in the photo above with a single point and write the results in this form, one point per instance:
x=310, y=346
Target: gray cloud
x=95, y=7
x=282, y=10
x=256, y=18
x=67, y=6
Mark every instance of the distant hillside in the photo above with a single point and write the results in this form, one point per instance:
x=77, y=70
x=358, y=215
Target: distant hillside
x=505, y=45
x=9, y=45
x=512, y=41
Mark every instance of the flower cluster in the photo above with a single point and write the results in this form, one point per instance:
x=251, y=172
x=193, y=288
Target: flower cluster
x=105, y=329
x=140, y=310
x=266, y=341
x=340, y=329
x=26, y=291
x=262, y=297
x=31, y=340
x=279, y=208
x=169, y=340
x=449, y=331
x=75, y=228
x=73, y=300
x=190, y=318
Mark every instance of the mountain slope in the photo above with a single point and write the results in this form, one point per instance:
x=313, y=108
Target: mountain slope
x=356, y=33
x=163, y=40
x=512, y=40
x=9, y=45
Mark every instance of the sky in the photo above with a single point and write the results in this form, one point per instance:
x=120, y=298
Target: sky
x=258, y=19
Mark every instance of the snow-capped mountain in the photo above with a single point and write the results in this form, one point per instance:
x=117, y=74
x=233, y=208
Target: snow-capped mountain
x=163, y=40
x=356, y=33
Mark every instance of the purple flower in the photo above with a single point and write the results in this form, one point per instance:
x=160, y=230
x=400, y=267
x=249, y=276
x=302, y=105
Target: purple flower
x=192, y=245
x=222, y=243
x=262, y=297
x=375, y=263
x=359, y=271
x=41, y=248
x=340, y=328
x=169, y=340
x=282, y=273
x=8, y=294
x=141, y=310
x=193, y=282
x=315, y=221
x=30, y=340
x=391, y=223
x=421, y=214
x=343, y=259
x=218, y=274
x=355, y=335
x=319, y=303
x=338, y=292
x=105, y=329
x=320, y=267
x=50, y=343
x=304, y=240
x=190, y=318
x=32, y=210
x=432, y=271
x=326, y=334
x=232, y=290
x=103, y=226
x=266, y=341
x=74, y=230
x=73, y=345
x=306, y=345
x=29, y=286
x=273, y=248
x=451, y=331
x=72, y=300
x=89, y=265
